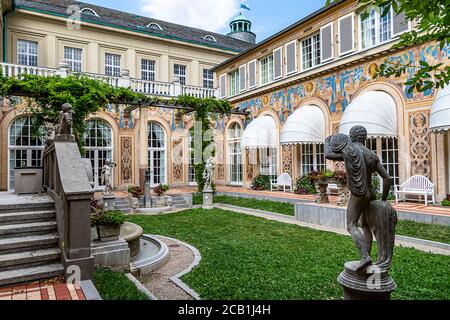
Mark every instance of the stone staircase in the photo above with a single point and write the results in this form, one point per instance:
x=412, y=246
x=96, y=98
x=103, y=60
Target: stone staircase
x=28, y=243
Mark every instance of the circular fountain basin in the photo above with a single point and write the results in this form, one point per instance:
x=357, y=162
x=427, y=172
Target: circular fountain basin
x=153, y=255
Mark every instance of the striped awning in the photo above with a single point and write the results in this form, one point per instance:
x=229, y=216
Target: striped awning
x=305, y=125
x=261, y=133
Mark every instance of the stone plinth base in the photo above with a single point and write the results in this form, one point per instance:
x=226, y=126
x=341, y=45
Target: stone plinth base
x=374, y=284
x=108, y=201
x=325, y=215
x=208, y=199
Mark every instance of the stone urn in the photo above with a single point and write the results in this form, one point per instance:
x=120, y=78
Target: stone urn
x=322, y=186
x=108, y=232
x=134, y=202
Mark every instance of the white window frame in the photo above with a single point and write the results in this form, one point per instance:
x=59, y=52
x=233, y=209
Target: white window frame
x=208, y=79
x=316, y=166
x=232, y=75
x=322, y=60
x=313, y=57
x=71, y=60
x=146, y=73
x=256, y=73
x=270, y=79
x=352, y=14
x=180, y=75
x=233, y=140
x=28, y=53
x=295, y=42
x=115, y=69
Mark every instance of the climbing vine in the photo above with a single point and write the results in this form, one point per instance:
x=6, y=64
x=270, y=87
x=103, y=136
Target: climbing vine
x=88, y=96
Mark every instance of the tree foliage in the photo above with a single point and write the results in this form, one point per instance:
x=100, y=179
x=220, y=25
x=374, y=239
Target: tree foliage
x=433, y=24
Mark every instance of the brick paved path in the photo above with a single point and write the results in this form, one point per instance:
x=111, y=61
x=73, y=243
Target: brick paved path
x=43, y=291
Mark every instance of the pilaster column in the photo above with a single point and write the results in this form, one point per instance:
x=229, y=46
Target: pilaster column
x=93, y=63
x=143, y=145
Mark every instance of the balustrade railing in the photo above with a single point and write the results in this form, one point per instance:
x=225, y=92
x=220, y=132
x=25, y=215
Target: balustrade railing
x=157, y=88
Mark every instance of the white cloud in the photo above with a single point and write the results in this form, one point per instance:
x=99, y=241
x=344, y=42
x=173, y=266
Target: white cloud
x=212, y=15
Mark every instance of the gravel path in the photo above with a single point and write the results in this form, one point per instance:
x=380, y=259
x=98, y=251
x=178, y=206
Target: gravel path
x=159, y=283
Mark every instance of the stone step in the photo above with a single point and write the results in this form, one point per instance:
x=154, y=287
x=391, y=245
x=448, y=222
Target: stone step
x=182, y=201
x=180, y=206
x=31, y=216
x=26, y=243
x=28, y=257
x=14, y=230
x=30, y=274
x=23, y=207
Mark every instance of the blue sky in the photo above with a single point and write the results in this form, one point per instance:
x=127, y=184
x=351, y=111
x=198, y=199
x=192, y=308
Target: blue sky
x=268, y=16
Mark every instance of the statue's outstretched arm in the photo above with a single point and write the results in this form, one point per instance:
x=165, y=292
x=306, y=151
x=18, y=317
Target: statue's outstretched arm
x=329, y=154
x=386, y=180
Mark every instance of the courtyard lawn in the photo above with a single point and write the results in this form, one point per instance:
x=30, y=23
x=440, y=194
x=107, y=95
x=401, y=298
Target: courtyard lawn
x=406, y=228
x=245, y=257
x=116, y=286
x=431, y=232
x=266, y=205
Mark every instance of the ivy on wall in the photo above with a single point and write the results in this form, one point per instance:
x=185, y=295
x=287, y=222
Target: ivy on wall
x=88, y=96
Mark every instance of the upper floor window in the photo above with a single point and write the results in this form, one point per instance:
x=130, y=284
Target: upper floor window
x=267, y=70
x=73, y=57
x=27, y=53
x=311, y=52
x=179, y=71
x=234, y=83
x=147, y=70
x=208, y=79
x=376, y=28
x=210, y=38
x=112, y=65
x=89, y=12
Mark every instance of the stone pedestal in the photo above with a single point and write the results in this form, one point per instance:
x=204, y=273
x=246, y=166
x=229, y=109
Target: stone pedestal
x=374, y=284
x=108, y=201
x=208, y=199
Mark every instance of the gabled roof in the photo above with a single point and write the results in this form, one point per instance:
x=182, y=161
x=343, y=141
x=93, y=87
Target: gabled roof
x=132, y=22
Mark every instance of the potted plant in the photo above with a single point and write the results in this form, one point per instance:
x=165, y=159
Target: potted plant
x=160, y=191
x=261, y=182
x=108, y=224
x=134, y=192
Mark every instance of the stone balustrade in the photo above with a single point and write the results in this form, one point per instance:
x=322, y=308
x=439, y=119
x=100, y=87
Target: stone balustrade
x=154, y=88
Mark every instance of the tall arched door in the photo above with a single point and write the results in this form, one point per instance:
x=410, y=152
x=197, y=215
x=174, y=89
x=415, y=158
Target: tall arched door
x=25, y=148
x=157, y=152
x=98, y=147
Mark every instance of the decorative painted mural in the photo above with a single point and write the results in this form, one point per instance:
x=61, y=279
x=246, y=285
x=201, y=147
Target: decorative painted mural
x=420, y=144
x=337, y=90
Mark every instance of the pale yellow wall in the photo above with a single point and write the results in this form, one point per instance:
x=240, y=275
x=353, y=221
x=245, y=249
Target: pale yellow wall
x=52, y=35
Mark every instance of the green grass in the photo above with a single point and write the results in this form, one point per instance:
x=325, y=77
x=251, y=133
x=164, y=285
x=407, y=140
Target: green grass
x=431, y=232
x=266, y=205
x=116, y=286
x=245, y=257
x=407, y=228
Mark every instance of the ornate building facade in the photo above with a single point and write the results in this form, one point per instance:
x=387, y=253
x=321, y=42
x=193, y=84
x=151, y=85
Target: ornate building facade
x=60, y=37
x=316, y=78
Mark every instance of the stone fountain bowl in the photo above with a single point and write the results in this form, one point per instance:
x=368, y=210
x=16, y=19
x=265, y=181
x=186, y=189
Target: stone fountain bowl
x=132, y=234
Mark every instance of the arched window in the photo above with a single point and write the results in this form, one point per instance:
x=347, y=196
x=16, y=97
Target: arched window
x=210, y=38
x=98, y=146
x=89, y=11
x=234, y=153
x=155, y=26
x=25, y=148
x=157, y=150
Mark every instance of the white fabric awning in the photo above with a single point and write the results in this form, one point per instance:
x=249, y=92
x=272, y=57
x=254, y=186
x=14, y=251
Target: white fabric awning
x=374, y=110
x=440, y=111
x=305, y=125
x=260, y=133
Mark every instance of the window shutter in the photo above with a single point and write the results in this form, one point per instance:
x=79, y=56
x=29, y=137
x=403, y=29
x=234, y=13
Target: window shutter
x=400, y=23
x=278, y=61
x=326, y=42
x=346, y=34
x=243, y=78
x=223, y=86
x=291, y=57
x=252, y=74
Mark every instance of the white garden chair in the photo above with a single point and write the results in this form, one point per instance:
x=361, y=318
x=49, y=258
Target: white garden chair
x=415, y=185
x=284, y=180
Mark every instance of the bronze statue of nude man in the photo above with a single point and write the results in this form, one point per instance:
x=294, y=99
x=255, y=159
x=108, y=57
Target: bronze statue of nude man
x=360, y=164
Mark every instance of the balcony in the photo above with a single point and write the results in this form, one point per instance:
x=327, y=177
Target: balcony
x=153, y=88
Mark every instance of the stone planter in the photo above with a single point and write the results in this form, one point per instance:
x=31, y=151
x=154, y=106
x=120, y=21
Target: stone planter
x=160, y=201
x=28, y=180
x=108, y=233
x=322, y=186
x=134, y=202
